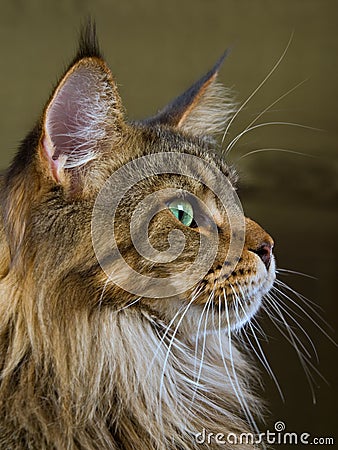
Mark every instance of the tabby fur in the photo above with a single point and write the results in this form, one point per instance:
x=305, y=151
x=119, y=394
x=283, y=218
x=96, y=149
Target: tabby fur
x=83, y=365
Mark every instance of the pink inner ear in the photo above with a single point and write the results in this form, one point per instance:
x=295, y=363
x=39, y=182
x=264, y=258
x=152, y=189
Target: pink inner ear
x=55, y=164
x=77, y=119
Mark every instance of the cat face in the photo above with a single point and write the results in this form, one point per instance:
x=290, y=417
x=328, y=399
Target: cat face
x=172, y=204
x=188, y=205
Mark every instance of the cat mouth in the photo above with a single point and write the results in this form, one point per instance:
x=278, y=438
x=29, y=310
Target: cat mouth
x=240, y=295
x=245, y=278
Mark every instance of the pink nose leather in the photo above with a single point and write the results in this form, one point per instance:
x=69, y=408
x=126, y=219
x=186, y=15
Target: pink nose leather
x=265, y=253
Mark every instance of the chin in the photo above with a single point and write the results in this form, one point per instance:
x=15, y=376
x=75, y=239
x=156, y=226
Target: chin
x=230, y=305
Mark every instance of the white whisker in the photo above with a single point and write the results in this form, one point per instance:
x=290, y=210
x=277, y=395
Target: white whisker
x=238, y=391
x=268, y=108
x=306, y=301
x=292, y=335
x=167, y=330
x=262, y=358
x=284, y=307
x=302, y=358
x=238, y=396
x=274, y=149
x=257, y=88
x=197, y=380
x=265, y=124
x=169, y=351
x=129, y=304
x=307, y=314
x=259, y=329
x=287, y=271
x=198, y=332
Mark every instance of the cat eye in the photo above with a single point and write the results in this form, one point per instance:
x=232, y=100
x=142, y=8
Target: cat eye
x=183, y=211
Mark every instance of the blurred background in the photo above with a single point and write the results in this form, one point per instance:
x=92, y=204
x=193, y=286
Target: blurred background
x=155, y=50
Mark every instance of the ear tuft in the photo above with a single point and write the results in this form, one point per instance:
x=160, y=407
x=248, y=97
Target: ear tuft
x=204, y=108
x=88, y=42
x=211, y=112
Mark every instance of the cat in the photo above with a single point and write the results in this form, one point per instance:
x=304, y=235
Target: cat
x=91, y=356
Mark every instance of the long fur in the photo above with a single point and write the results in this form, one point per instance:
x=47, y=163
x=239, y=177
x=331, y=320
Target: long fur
x=83, y=364
x=95, y=379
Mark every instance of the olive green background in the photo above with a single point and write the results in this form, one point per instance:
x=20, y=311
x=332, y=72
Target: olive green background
x=155, y=49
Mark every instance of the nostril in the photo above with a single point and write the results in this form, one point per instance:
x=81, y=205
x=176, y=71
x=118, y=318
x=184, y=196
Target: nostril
x=265, y=253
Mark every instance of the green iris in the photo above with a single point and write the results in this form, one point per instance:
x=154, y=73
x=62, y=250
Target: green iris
x=183, y=211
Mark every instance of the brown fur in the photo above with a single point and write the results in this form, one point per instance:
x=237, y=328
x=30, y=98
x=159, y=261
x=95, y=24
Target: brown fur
x=79, y=370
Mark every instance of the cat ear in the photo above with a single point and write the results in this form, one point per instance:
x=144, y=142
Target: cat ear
x=204, y=108
x=84, y=115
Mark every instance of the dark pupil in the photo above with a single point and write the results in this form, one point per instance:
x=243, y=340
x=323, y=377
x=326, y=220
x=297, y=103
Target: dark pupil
x=181, y=214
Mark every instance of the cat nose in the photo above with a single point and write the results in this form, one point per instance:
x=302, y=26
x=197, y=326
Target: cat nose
x=265, y=253
x=259, y=241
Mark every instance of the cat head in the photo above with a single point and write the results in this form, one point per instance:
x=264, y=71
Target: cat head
x=68, y=226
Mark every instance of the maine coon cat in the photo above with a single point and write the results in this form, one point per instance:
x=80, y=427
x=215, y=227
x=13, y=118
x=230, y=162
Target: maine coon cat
x=85, y=363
